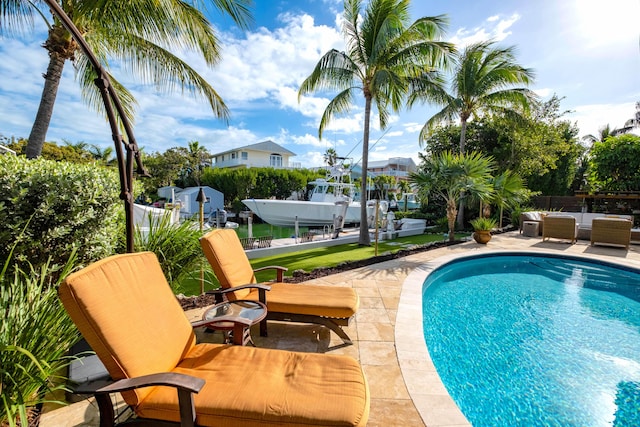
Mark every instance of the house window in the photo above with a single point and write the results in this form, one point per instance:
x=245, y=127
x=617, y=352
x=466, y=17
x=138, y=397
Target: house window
x=275, y=161
x=245, y=155
x=222, y=158
x=233, y=155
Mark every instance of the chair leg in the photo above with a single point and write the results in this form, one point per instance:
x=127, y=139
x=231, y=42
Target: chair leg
x=263, y=328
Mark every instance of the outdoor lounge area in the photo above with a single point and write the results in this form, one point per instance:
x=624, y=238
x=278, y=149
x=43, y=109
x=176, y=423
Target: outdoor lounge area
x=405, y=391
x=532, y=223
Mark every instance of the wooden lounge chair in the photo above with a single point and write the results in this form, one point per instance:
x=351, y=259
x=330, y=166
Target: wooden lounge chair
x=611, y=231
x=126, y=311
x=560, y=227
x=331, y=306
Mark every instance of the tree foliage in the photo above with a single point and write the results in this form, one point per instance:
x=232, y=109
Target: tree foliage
x=259, y=183
x=540, y=147
x=614, y=164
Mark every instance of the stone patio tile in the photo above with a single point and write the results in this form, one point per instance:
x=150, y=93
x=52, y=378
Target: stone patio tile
x=370, y=303
x=393, y=412
x=378, y=353
x=385, y=382
x=375, y=332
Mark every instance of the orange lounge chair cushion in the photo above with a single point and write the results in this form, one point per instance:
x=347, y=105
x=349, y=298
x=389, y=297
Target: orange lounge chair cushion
x=282, y=388
x=131, y=339
x=228, y=260
x=326, y=301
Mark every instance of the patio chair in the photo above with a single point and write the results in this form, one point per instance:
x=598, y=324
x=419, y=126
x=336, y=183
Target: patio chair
x=126, y=311
x=611, y=231
x=330, y=306
x=559, y=227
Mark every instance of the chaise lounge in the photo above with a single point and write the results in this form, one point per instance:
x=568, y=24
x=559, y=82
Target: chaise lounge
x=124, y=308
x=331, y=306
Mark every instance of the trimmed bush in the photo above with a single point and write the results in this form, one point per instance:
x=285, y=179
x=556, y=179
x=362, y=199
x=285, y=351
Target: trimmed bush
x=49, y=209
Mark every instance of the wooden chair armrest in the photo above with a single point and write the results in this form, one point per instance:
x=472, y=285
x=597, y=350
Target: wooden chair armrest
x=219, y=293
x=172, y=379
x=185, y=385
x=279, y=271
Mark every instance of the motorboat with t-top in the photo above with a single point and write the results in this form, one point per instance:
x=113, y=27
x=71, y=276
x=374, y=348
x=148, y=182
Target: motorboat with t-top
x=328, y=200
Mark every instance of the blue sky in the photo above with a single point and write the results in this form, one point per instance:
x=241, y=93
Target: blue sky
x=586, y=51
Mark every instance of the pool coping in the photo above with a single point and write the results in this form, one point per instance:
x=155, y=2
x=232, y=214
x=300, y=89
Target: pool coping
x=428, y=393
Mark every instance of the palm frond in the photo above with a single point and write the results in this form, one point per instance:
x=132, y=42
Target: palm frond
x=154, y=64
x=340, y=104
x=334, y=71
x=16, y=17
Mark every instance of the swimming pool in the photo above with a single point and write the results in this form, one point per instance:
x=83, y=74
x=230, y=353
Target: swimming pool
x=536, y=340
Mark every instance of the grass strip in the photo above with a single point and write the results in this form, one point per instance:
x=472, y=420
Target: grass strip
x=309, y=259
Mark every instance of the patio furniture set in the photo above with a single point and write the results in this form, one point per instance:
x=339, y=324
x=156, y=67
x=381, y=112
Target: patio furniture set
x=167, y=378
x=596, y=227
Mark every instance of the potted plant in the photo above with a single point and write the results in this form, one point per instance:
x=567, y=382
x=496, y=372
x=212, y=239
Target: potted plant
x=482, y=227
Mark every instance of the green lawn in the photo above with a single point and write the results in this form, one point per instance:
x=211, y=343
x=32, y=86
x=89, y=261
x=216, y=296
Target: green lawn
x=309, y=259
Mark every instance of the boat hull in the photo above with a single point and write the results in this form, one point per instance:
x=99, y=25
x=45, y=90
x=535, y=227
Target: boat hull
x=283, y=213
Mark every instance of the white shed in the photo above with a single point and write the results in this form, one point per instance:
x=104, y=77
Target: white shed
x=168, y=192
x=189, y=206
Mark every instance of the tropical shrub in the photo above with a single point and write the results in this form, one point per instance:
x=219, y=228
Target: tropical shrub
x=483, y=223
x=177, y=247
x=35, y=335
x=615, y=164
x=50, y=209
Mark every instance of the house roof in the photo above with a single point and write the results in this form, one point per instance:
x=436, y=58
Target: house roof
x=266, y=146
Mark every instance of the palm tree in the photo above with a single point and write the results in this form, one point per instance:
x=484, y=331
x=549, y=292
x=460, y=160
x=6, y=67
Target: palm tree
x=483, y=82
x=508, y=191
x=102, y=155
x=330, y=157
x=603, y=133
x=385, y=59
x=139, y=34
x=198, y=157
x=452, y=175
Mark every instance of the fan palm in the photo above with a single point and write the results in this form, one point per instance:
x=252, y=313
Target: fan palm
x=141, y=35
x=508, y=191
x=452, y=175
x=385, y=60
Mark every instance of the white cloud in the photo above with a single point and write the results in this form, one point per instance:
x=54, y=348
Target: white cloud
x=495, y=28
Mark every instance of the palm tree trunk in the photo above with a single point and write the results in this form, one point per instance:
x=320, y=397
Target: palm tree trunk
x=364, y=229
x=463, y=138
x=45, y=110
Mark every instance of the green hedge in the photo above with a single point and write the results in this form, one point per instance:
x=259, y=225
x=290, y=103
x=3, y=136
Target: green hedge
x=49, y=208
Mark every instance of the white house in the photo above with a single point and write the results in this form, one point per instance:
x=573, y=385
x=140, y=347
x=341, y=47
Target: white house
x=262, y=154
x=395, y=166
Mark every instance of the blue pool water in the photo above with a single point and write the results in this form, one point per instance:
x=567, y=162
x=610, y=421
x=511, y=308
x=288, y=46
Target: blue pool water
x=536, y=341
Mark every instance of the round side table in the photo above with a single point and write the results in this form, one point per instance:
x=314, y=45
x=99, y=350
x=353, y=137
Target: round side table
x=235, y=333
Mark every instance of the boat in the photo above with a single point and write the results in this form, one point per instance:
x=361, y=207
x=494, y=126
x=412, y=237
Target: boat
x=328, y=201
x=410, y=200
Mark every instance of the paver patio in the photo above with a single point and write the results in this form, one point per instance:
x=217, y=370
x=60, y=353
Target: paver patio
x=381, y=345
